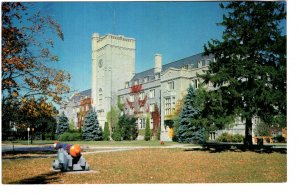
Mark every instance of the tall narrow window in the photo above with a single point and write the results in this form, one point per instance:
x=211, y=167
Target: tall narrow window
x=142, y=123
x=168, y=106
x=171, y=85
x=142, y=95
x=131, y=98
x=196, y=83
x=152, y=93
x=151, y=108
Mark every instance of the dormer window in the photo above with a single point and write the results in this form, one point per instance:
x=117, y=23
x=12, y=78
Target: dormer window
x=157, y=76
x=199, y=64
x=146, y=79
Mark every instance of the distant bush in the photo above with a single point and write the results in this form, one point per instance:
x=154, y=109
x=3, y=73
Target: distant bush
x=279, y=139
x=70, y=136
x=49, y=136
x=226, y=137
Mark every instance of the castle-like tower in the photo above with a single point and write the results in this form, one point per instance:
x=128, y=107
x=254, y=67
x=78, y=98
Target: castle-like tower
x=113, y=63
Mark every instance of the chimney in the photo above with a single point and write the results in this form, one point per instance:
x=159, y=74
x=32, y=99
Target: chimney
x=158, y=63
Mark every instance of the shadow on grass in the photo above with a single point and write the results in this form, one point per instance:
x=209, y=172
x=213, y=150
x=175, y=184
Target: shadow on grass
x=51, y=177
x=225, y=147
x=12, y=155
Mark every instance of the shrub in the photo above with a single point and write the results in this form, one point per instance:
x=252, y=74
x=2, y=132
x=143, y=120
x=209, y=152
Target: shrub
x=49, y=136
x=106, y=133
x=279, y=139
x=117, y=134
x=262, y=129
x=141, y=132
x=226, y=137
x=237, y=138
x=70, y=136
x=147, y=130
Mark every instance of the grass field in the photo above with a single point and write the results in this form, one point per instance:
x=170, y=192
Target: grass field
x=155, y=166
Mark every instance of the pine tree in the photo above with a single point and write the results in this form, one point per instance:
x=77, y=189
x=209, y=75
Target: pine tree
x=188, y=131
x=249, y=71
x=106, y=134
x=147, y=130
x=91, y=130
x=63, y=124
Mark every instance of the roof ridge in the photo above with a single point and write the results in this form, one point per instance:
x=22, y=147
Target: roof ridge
x=165, y=66
x=201, y=53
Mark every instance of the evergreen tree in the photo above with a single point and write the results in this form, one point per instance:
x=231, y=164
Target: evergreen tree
x=147, y=130
x=91, y=130
x=117, y=134
x=188, y=131
x=249, y=71
x=63, y=124
x=106, y=134
x=210, y=115
x=128, y=127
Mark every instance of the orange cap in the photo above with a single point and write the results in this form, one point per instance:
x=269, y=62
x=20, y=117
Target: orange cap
x=75, y=150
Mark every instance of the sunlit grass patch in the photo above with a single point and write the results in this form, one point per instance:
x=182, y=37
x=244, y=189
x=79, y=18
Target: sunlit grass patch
x=156, y=166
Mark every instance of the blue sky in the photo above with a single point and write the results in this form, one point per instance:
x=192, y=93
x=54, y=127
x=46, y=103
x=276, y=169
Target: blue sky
x=174, y=29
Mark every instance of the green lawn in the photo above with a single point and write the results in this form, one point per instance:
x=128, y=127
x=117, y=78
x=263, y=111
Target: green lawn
x=156, y=166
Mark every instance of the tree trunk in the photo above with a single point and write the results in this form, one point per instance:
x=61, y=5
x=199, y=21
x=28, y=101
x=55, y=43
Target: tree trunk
x=248, y=133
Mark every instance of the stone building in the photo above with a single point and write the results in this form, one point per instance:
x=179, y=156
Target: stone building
x=74, y=105
x=85, y=106
x=113, y=63
x=158, y=91
x=164, y=86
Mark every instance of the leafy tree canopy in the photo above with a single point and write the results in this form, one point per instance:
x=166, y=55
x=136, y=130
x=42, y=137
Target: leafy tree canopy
x=26, y=54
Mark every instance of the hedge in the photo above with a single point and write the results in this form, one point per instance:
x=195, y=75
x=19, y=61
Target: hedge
x=70, y=136
x=226, y=137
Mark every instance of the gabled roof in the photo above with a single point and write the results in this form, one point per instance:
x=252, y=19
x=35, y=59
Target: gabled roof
x=194, y=59
x=77, y=96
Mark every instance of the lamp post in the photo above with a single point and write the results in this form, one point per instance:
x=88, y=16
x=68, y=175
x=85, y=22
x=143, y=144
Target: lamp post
x=28, y=129
x=14, y=129
x=32, y=135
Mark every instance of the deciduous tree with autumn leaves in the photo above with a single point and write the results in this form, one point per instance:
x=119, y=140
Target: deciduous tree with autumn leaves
x=27, y=75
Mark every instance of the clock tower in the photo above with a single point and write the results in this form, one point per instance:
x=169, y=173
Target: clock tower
x=113, y=63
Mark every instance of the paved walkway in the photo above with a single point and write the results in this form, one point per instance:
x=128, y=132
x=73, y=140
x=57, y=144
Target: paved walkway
x=21, y=149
